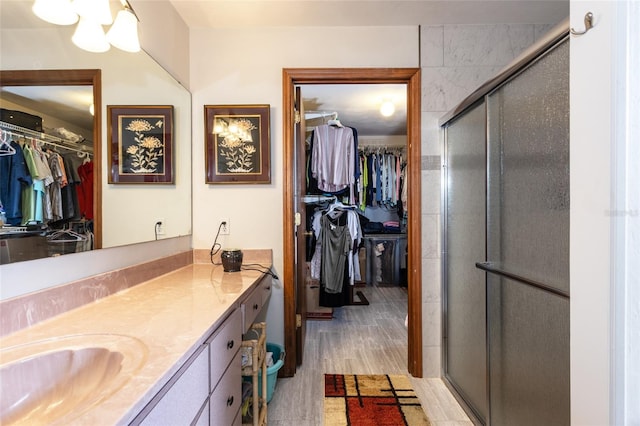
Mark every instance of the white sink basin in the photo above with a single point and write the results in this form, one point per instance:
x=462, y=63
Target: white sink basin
x=55, y=380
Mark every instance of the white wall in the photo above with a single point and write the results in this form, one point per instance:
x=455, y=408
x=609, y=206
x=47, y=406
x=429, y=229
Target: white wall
x=164, y=35
x=627, y=306
x=603, y=369
x=590, y=237
x=244, y=66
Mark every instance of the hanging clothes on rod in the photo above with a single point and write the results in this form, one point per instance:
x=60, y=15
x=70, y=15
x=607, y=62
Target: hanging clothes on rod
x=384, y=175
x=332, y=165
x=39, y=185
x=335, y=261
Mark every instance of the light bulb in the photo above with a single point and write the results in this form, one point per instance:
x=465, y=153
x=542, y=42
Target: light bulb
x=89, y=36
x=59, y=12
x=123, y=34
x=387, y=108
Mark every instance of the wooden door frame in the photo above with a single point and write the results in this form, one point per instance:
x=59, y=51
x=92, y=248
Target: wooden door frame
x=411, y=77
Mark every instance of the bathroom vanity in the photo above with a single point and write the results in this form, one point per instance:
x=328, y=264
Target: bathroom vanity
x=166, y=351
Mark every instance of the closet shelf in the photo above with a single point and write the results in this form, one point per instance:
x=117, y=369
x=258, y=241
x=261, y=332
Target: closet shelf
x=44, y=137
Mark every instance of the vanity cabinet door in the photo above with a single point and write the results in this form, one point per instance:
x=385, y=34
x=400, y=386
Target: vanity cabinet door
x=226, y=398
x=181, y=399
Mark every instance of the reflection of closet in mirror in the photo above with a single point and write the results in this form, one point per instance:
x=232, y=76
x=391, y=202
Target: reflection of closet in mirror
x=49, y=118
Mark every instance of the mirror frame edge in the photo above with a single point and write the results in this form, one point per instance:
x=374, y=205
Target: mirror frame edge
x=73, y=77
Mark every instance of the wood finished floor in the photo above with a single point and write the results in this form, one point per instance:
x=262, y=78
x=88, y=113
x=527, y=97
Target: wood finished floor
x=359, y=340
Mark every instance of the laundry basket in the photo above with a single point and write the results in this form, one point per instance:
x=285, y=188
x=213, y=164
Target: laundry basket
x=272, y=372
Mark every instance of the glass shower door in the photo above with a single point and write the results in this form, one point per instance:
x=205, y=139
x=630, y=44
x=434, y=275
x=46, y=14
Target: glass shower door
x=528, y=245
x=464, y=333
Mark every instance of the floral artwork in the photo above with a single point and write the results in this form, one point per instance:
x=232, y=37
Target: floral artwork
x=237, y=144
x=143, y=156
x=141, y=144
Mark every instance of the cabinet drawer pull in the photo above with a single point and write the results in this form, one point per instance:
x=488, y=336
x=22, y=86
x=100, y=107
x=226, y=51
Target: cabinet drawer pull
x=230, y=344
x=230, y=401
x=255, y=307
x=267, y=288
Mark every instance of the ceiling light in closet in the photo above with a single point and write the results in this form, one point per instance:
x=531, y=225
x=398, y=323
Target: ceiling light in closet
x=92, y=15
x=387, y=108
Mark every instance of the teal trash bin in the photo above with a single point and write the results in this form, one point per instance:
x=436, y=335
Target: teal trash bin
x=272, y=372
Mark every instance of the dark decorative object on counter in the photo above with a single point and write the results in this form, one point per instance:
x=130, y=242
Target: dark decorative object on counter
x=231, y=260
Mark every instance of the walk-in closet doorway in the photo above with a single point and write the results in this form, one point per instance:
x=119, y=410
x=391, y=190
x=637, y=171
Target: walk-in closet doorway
x=293, y=274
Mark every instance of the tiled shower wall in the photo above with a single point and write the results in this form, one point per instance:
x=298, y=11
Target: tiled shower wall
x=455, y=61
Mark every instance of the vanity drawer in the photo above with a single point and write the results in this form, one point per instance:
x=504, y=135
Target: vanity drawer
x=253, y=304
x=226, y=398
x=265, y=286
x=224, y=345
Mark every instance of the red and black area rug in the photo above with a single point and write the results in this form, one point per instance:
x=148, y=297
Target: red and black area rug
x=371, y=400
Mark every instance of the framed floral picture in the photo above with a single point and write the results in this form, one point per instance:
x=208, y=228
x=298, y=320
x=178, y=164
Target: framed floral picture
x=140, y=144
x=237, y=147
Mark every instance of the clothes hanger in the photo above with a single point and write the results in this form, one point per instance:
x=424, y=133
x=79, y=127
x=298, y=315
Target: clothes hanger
x=74, y=236
x=5, y=147
x=335, y=122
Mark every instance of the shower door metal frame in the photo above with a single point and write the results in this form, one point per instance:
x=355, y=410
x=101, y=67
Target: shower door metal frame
x=455, y=390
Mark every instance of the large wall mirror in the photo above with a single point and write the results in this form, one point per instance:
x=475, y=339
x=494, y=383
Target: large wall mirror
x=33, y=54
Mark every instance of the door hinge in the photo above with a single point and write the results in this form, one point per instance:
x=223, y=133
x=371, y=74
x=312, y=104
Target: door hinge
x=298, y=320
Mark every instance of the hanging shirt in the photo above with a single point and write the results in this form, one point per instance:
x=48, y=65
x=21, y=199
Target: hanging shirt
x=32, y=195
x=44, y=171
x=55, y=188
x=378, y=179
x=333, y=159
x=14, y=175
x=85, y=193
x=336, y=247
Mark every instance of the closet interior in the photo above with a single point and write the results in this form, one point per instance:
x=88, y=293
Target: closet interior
x=46, y=185
x=355, y=198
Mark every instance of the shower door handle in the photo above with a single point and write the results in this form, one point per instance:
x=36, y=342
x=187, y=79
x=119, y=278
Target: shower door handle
x=492, y=268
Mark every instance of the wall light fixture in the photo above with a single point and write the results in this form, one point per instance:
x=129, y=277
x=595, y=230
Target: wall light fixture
x=91, y=15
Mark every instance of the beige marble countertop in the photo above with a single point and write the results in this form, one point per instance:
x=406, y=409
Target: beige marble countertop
x=167, y=317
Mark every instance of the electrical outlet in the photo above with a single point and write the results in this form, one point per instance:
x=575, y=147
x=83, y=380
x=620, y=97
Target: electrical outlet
x=160, y=227
x=225, y=229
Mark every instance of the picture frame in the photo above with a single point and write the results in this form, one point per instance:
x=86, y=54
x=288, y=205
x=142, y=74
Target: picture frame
x=237, y=144
x=140, y=144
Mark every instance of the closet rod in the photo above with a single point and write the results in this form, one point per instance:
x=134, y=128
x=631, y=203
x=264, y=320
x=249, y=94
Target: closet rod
x=374, y=148
x=14, y=130
x=322, y=114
